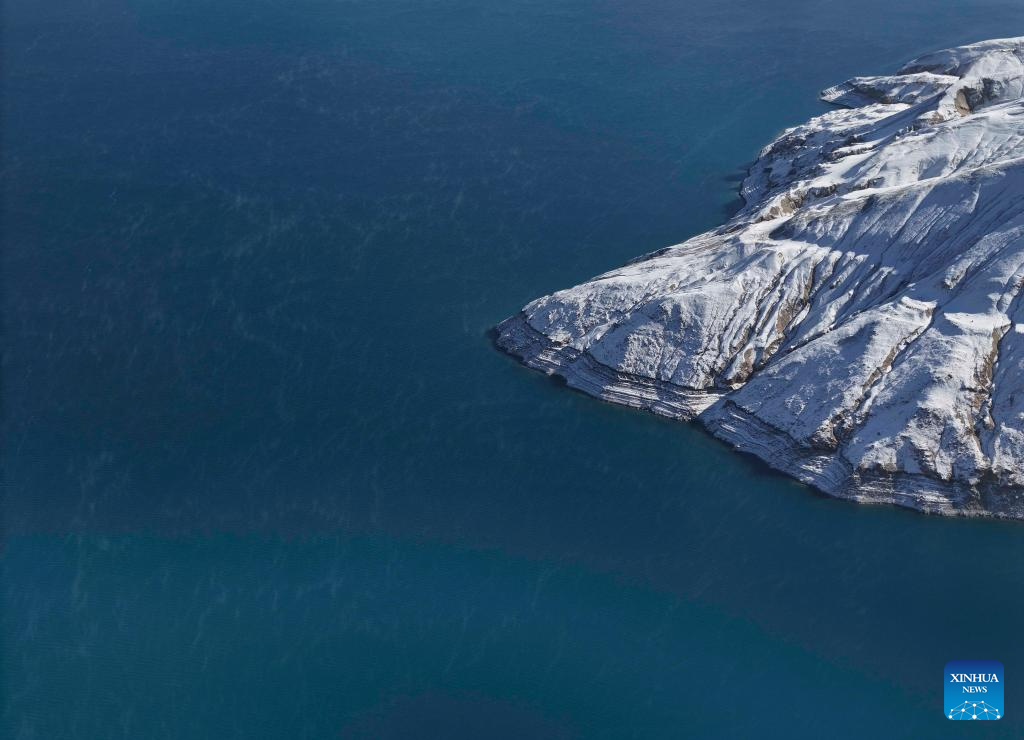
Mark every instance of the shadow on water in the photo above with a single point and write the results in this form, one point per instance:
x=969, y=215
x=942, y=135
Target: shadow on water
x=733, y=207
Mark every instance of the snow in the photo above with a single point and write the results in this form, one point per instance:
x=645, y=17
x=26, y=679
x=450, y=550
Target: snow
x=858, y=323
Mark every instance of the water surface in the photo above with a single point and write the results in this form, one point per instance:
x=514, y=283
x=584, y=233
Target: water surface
x=267, y=478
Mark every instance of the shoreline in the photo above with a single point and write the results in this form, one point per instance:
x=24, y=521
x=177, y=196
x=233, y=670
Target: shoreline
x=723, y=419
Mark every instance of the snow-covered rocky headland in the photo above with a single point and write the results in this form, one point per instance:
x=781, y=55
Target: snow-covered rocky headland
x=860, y=323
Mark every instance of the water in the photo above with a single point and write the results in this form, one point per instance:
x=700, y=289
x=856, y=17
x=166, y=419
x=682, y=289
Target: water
x=266, y=476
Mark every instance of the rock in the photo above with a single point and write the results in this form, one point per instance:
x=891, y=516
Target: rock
x=859, y=324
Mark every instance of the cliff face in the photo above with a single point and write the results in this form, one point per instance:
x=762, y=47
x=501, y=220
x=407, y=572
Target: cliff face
x=860, y=323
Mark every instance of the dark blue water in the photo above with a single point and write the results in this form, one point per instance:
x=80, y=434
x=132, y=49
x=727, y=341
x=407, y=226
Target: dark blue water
x=266, y=476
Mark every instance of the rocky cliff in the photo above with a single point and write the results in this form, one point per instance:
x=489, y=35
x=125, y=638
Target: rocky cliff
x=860, y=323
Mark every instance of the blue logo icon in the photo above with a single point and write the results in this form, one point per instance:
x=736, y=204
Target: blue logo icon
x=974, y=689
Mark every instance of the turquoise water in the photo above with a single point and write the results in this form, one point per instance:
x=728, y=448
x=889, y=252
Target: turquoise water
x=266, y=476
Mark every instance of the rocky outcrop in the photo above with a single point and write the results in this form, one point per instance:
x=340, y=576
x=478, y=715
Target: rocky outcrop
x=860, y=323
